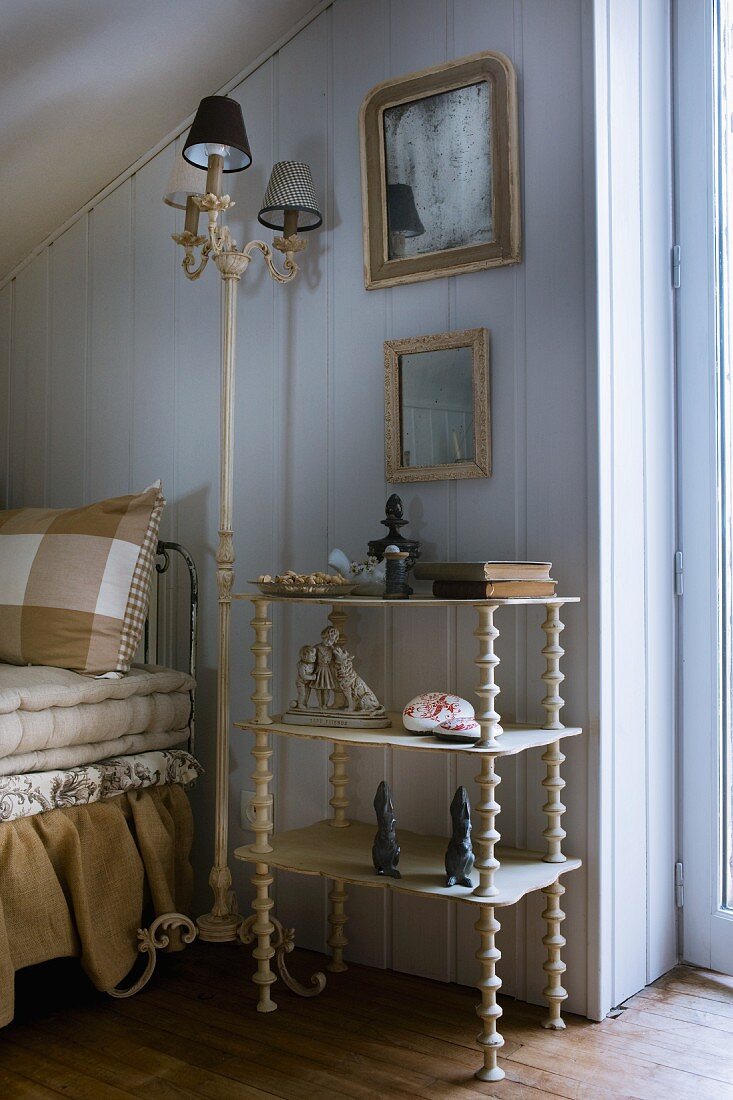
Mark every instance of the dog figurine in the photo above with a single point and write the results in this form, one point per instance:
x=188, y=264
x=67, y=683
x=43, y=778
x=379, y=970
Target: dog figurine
x=459, y=853
x=385, y=850
x=358, y=694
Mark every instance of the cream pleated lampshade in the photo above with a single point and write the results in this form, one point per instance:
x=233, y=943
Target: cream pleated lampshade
x=183, y=181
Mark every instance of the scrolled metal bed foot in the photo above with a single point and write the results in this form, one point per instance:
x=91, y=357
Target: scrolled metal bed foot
x=283, y=942
x=150, y=940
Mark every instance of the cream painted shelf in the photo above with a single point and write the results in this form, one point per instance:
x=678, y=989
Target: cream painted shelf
x=417, y=600
x=340, y=850
x=514, y=739
x=345, y=854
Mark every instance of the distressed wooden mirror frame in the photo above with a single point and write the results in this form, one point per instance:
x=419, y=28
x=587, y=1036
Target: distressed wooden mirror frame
x=478, y=340
x=498, y=71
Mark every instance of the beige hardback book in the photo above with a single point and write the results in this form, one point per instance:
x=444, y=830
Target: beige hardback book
x=485, y=571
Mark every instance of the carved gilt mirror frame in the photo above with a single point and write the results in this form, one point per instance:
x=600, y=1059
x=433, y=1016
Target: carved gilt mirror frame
x=479, y=465
x=491, y=72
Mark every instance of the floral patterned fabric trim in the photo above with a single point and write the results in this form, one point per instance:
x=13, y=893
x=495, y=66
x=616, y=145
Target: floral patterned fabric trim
x=37, y=792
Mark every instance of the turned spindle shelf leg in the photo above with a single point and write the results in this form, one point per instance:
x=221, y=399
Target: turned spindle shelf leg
x=337, y=919
x=489, y=985
x=554, y=967
x=260, y=926
x=552, y=676
x=487, y=836
x=486, y=662
x=339, y=780
x=553, y=808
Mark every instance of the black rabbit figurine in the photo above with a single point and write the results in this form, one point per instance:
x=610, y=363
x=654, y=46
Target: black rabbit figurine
x=385, y=850
x=459, y=854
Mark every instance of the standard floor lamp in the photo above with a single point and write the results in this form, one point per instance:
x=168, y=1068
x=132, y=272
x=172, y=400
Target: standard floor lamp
x=217, y=142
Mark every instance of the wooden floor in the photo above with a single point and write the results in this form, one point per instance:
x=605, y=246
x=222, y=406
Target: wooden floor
x=193, y=1033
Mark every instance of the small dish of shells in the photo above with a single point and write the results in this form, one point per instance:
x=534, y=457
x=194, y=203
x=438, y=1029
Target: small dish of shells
x=304, y=584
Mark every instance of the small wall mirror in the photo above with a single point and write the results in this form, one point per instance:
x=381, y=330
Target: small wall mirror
x=437, y=407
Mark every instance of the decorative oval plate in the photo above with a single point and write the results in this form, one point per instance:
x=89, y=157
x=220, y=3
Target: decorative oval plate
x=316, y=591
x=435, y=708
x=461, y=733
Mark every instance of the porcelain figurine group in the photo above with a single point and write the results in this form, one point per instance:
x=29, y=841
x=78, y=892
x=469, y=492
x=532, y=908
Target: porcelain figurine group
x=459, y=854
x=329, y=690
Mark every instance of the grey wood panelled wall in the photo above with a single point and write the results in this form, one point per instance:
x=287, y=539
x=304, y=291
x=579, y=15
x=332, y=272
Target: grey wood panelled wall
x=109, y=373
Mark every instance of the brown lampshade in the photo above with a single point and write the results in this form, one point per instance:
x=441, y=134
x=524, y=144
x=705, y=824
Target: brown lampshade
x=218, y=122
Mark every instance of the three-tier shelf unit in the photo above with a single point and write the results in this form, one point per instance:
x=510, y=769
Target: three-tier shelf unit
x=340, y=850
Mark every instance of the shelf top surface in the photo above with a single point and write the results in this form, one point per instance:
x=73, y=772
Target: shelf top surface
x=345, y=854
x=514, y=739
x=414, y=601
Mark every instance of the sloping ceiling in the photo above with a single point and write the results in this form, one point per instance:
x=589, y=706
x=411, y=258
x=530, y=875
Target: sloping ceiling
x=88, y=86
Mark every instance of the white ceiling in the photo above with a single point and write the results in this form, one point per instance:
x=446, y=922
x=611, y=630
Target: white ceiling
x=88, y=86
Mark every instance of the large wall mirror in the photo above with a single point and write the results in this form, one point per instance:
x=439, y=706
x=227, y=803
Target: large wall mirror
x=437, y=407
x=440, y=171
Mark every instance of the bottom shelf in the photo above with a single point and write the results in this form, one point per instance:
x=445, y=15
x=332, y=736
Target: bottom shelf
x=346, y=854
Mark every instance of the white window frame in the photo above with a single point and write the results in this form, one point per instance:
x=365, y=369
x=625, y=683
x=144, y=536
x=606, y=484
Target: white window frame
x=707, y=934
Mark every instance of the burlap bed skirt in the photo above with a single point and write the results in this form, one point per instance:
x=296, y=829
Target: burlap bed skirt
x=77, y=881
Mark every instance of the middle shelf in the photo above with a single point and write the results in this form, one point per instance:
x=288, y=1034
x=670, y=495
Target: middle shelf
x=514, y=739
x=345, y=854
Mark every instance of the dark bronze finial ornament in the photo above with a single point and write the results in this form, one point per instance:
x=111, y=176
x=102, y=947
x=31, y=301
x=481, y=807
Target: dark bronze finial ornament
x=394, y=521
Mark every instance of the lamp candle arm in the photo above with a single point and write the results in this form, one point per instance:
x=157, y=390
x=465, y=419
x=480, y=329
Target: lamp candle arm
x=230, y=260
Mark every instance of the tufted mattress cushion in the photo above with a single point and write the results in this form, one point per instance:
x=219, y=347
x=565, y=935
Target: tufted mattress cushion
x=51, y=717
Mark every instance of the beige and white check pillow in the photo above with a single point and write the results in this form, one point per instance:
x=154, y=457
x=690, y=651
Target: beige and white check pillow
x=74, y=583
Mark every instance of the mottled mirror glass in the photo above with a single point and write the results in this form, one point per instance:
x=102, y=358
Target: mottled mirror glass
x=436, y=407
x=439, y=171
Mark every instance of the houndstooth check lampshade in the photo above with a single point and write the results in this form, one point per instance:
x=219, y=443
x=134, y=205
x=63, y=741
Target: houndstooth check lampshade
x=290, y=188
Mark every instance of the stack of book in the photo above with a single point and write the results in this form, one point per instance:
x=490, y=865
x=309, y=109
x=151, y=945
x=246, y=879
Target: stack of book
x=485, y=580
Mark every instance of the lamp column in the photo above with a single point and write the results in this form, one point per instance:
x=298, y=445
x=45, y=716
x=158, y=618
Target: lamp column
x=222, y=923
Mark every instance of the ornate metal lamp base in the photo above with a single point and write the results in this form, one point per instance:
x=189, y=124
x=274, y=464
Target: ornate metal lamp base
x=214, y=929
x=150, y=941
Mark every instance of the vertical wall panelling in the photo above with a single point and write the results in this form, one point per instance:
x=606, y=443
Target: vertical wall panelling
x=29, y=385
x=68, y=357
x=489, y=519
x=417, y=39
x=6, y=309
x=110, y=404
x=357, y=395
x=301, y=316
x=153, y=379
x=152, y=375
x=556, y=457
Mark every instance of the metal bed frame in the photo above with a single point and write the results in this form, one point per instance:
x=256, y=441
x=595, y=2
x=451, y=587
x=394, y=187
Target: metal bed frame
x=162, y=567
x=156, y=937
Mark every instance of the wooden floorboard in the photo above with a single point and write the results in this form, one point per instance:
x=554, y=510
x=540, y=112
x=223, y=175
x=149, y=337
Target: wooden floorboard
x=194, y=1033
